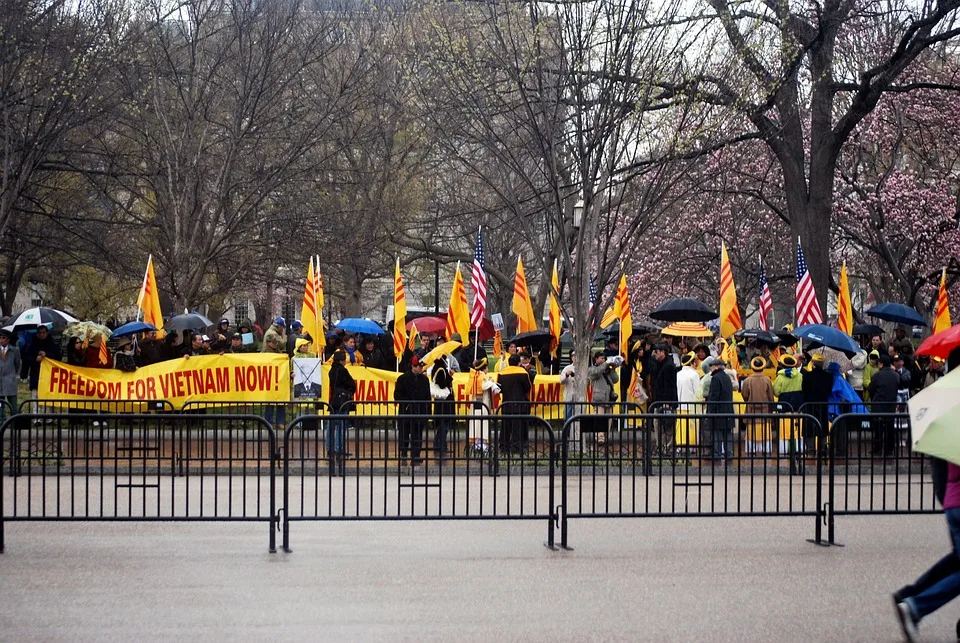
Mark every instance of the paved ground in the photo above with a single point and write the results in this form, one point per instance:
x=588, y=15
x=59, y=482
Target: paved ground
x=690, y=579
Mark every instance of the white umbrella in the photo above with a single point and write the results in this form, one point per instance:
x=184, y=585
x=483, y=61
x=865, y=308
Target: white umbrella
x=33, y=317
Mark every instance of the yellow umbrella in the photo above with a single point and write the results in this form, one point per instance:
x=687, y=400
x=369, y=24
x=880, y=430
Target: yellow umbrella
x=443, y=349
x=687, y=329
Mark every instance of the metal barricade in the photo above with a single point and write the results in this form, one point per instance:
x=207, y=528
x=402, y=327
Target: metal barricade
x=885, y=478
x=56, y=406
x=277, y=414
x=137, y=467
x=706, y=474
x=418, y=469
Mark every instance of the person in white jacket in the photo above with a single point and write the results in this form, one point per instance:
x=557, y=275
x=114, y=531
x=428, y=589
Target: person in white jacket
x=688, y=391
x=567, y=376
x=855, y=374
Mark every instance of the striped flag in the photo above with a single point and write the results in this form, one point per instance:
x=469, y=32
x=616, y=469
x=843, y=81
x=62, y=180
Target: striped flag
x=522, y=306
x=941, y=320
x=730, y=320
x=593, y=298
x=622, y=307
x=308, y=310
x=844, y=305
x=458, y=317
x=766, y=301
x=555, y=320
x=399, y=313
x=478, y=282
x=808, y=308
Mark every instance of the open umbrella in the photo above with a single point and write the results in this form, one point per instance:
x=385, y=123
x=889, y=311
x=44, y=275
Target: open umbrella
x=683, y=309
x=360, y=325
x=866, y=329
x=897, y=313
x=787, y=339
x=133, y=328
x=941, y=344
x=534, y=339
x=758, y=335
x=87, y=329
x=821, y=335
x=687, y=329
x=430, y=325
x=443, y=349
x=187, y=321
x=935, y=418
x=33, y=317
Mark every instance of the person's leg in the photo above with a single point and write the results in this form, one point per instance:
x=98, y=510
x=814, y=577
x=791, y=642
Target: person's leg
x=440, y=438
x=947, y=588
x=416, y=441
x=944, y=567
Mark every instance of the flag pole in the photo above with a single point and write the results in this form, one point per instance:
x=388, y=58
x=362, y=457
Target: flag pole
x=142, y=284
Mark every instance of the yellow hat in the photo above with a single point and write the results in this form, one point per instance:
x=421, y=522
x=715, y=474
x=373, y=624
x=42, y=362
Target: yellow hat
x=818, y=358
x=789, y=361
x=687, y=359
x=758, y=364
x=300, y=343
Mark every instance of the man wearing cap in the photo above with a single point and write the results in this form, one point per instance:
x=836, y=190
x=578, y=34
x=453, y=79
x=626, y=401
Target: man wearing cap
x=372, y=356
x=276, y=332
x=903, y=395
x=663, y=389
x=817, y=385
x=296, y=329
x=757, y=392
x=720, y=403
x=236, y=345
x=884, y=386
x=221, y=336
x=901, y=343
x=10, y=365
x=515, y=386
x=412, y=392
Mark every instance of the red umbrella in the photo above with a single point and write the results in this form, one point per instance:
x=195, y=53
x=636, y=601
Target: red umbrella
x=438, y=326
x=941, y=344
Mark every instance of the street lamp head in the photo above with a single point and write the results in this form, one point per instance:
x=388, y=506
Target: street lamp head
x=578, y=213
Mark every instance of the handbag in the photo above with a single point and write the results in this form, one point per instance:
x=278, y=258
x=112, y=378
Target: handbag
x=613, y=392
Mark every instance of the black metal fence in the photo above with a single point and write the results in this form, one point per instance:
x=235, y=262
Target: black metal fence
x=221, y=461
x=417, y=467
x=136, y=467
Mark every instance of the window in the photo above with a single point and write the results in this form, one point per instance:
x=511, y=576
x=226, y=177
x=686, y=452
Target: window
x=288, y=310
x=36, y=302
x=241, y=311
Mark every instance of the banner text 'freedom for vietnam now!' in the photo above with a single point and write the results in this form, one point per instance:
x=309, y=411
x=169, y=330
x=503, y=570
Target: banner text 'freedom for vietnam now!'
x=260, y=377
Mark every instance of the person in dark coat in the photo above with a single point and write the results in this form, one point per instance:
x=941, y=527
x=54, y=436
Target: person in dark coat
x=663, y=390
x=412, y=392
x=343, y=388
x=515, y=386
x=817, y=385
x=150, y=350
x=443, y=404
x=373, y=357
x=42, y=347
x=720, y=401
x=883, y=395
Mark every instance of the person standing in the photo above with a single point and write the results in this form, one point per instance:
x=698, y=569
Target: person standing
x=688, y=390
x=441, y=388
x=296, y=330
x=567, y=381
x=602, y=377
x=10, y=366
x=758, y=394
x=720, y=405
x=276, y=333
x=515, y=387
x=372, y=356
x=663, y=387
x=342, y=389
x=39, y=349
x=412, y=392
x=150, y=350
x=817, y=385
x=481, y=389
x=884, y=386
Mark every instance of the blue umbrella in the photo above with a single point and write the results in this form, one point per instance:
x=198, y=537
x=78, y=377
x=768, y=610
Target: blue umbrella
x=133, y=328
x=820, y=335
x=897, y=313
x=360, y=325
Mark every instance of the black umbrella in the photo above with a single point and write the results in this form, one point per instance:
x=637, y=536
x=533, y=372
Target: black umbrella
x=683, y=309
x=760, y=336
x=867, y=329
x=787, y=339
x=535, y=339
x=33, y=317
x=187, y=321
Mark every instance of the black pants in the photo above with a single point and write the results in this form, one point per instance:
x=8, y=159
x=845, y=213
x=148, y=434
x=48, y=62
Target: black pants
x=441, y=427
x=884, y=436
x=411, y=438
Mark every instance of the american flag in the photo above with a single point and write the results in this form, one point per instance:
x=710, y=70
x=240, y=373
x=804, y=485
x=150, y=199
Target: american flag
x=478, y=281
x=766, y=302
x=808, y=308
x=593, y=296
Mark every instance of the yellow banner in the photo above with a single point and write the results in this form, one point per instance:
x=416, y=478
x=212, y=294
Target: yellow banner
x=376, y=386
x=260, y=377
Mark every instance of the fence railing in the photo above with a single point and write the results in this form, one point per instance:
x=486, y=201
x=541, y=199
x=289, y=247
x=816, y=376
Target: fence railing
x=53, y=407
x=416, y=467
x=220, y=463
x=137, y=467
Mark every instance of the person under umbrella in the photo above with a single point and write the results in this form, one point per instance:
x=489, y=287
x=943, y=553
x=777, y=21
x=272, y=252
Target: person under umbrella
x=817, y=384
x=42, y=347
x=758, y=394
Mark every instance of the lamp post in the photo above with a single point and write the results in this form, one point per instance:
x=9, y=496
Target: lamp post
x=578, y=214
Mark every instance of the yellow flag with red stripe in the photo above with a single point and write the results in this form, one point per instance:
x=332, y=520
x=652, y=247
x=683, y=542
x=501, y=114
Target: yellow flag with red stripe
x=399, y=313
x=308, y=310
x=458, y=315
x=522, y=306
x=622, y=307
x=148, y=301
x=941, y=320
x=730, y=321
x=555, y=319
x=844, y=305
